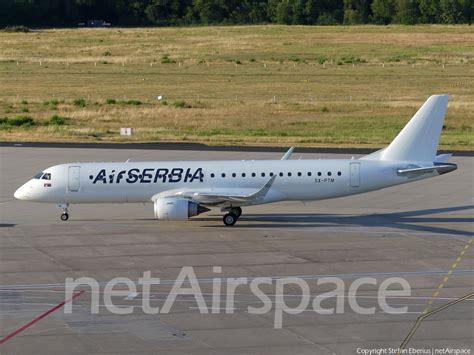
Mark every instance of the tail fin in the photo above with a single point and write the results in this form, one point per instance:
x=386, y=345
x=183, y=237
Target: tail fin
x=418, y=140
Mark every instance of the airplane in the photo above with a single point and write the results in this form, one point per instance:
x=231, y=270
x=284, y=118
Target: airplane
x=183, y=189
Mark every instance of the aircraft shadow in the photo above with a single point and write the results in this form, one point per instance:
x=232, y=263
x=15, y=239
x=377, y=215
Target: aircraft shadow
x=397, y=220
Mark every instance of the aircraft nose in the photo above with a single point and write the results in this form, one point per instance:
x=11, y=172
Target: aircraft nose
x=21, y=193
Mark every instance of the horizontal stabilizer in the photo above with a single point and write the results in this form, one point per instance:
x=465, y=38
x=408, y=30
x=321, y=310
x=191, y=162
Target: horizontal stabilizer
x=443, y=158
x=415, y=171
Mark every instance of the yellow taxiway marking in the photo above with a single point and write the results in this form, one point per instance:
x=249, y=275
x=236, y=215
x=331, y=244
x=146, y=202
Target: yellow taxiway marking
x=426, y=312
x=426, y=315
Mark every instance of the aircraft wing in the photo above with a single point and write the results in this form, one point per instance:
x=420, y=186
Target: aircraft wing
x=220, y=196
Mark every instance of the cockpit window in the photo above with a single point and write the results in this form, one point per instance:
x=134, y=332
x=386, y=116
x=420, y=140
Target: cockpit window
x=38, y=176
x=46, y=176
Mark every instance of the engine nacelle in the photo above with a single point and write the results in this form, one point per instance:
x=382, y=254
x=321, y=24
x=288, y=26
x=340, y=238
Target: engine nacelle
x=176, y=209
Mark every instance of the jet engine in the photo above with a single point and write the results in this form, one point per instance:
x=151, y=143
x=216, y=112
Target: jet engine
x=176, y=209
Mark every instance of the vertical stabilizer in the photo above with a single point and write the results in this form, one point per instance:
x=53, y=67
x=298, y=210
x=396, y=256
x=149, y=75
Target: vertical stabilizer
x=418, y=140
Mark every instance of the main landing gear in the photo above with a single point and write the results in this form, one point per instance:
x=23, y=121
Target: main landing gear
x=64, y=214
x=232, y=216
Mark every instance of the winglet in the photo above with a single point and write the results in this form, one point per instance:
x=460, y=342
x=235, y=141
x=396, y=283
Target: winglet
x=288, y=154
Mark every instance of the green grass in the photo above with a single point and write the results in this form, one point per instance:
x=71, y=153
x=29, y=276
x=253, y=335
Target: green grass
x=264, y=85
x=132, y=102
x=79, y=102
x=58, y=120
x=181, y=104
x=18, y=121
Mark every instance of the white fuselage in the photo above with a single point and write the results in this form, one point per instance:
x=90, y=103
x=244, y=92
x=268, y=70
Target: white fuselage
x=121, y=182
x=183, y=189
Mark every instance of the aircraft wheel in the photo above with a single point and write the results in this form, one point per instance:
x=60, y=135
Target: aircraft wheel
x=229, y=219
x=64, y=216
x=237, y=211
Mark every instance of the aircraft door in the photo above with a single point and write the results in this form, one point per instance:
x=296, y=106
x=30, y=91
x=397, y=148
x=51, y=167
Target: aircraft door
x=355, y=174
x=74, y=182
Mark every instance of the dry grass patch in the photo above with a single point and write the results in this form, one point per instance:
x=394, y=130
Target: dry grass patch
x=238, y=84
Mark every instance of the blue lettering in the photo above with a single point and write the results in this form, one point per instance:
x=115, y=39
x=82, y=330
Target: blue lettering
x=176, y=175
x=132, y=176
x=160, y=174
x=187, y=175
x=146, y=176
x=150, y=175
x=100, y=177
x=120, y=175
x=111, y=177
x=197, y=175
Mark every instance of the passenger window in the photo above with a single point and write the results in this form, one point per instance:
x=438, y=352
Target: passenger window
x=299, y=174
x=234, y=175
x=289, y=174
x=223, y=175
x=319, y=173
x=46, y=176
x=243, y=174
x=281, y=174
x=263, y=174
x=212, y=175
x=339, y=173
x=253, y=174
x=309, y=173
x=271, y=174
x=329, y=173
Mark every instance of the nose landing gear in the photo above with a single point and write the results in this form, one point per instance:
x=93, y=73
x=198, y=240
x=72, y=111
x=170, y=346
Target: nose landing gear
x=64, y=214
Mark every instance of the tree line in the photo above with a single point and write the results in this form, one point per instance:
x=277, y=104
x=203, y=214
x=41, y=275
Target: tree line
x=68, y=13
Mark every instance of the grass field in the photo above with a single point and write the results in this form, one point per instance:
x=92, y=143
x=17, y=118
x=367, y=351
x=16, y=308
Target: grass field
x=259, y=85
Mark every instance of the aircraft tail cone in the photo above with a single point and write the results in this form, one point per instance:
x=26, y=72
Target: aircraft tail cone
x=202, y=209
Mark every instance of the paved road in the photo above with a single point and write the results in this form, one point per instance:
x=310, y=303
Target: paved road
x=417, y=232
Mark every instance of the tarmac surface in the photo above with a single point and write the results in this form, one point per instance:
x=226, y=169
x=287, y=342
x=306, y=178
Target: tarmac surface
x=420, y=232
